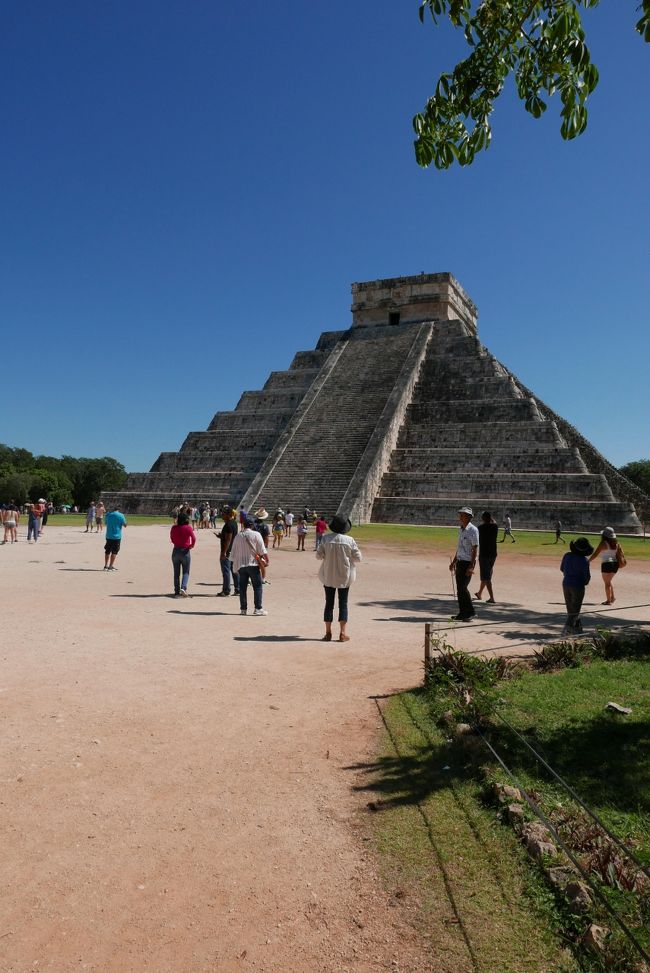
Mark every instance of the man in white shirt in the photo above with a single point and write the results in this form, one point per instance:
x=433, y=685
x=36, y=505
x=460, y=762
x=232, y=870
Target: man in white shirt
x=464, y=562
x=247, y=553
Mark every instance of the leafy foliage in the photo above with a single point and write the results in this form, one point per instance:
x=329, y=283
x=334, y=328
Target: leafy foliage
x=638, y=472
x=540, y=42
x=69, y=479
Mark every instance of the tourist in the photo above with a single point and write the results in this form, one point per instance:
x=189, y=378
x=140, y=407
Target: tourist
x=183, y=538
x=33, y=523
x=100, y=513
x=243, y=514
x=507, y=529
x=611, y=559
x=38, y=509
x=463, y=564
x=488, y=531
x=249, y=555
x=301, y=531
x=288, y=523
x=576, y=577
x=321, y=527
x=10, y=521
x=558, y=532
x=90, y=517
x=227, y=536
x=278, y=528
x=339, y=554
x=263, y=529
x=45, y=513
x=115, y=522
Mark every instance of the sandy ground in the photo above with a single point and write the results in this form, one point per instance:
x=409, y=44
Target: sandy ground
x=175, y=793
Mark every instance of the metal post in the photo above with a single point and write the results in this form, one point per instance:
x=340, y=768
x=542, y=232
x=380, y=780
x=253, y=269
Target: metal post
x=427, y=647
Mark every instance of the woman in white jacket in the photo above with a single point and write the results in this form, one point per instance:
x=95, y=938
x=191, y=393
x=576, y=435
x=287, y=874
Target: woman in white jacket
x=339, y=554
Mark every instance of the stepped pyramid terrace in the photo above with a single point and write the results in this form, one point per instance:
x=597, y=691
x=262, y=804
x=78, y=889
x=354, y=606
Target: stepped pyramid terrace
x=402, y=418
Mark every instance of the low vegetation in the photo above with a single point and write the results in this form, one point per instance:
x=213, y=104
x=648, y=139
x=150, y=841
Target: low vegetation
x=443, y=767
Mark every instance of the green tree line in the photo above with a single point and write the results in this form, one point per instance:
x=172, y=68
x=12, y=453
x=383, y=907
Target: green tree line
x=69, y=479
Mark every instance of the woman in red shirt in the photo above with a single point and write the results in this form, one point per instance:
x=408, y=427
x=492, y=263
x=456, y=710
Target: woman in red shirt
x=183, y=538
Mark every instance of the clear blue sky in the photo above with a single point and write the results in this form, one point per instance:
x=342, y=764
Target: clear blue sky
x=188, y=190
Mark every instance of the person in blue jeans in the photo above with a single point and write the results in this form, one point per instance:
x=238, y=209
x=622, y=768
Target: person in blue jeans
x=183, y=538
x=248, y=554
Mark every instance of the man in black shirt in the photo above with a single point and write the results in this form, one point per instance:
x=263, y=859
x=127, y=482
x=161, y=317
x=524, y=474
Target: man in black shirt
x=488, y=532
x=227, y=536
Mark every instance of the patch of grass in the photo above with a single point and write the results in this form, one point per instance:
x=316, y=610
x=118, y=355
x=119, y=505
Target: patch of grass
x=79, y=520
x=604, y=756
x=444, y=539
x=479, y=901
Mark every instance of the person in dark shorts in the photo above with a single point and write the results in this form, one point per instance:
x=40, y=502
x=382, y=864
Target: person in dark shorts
x=115, y=521
x=575, y=578
x=488, y=532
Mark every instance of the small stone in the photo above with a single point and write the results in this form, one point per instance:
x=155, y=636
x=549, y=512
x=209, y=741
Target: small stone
x=535, y=830
x=447, y=716
x=504, y=792
x=559, y=876
x=617, y=708
x=594, y=938
x=462, y=729
x=538, y=849
x=515, y=813
x=579, y=897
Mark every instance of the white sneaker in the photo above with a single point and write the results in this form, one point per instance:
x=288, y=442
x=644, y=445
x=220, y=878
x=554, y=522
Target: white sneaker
x=260, y=611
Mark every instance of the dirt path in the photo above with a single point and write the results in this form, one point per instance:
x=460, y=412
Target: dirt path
x=174, y=787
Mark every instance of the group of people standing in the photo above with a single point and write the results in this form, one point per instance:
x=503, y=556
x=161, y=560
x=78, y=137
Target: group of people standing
x=480, y=543
x=37, y=514
x=244, y=558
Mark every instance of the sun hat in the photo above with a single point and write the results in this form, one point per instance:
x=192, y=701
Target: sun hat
x=609, y=533
x=582, y=547
x=340, y=525
x=466, y=510
x=261, y=514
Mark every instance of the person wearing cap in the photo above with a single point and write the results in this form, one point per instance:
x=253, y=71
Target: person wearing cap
x=227, y=536
x=464, y=562
x=339, y=554
x=611, y=558
x=249, y=553
x=576, y=577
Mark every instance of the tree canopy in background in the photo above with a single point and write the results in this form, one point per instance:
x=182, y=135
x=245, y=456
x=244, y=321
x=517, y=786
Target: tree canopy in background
x=540, y=42
x=638, y=472
x=69, y=479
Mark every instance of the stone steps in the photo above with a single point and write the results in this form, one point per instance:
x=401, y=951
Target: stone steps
x=501, y=486
x=470, y=434
x=474, y=410
x=484, y=458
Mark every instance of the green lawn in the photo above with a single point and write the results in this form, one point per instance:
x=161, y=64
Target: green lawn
x=605, y=757
x=443, y=851
x=79, y=520
x=526, y=542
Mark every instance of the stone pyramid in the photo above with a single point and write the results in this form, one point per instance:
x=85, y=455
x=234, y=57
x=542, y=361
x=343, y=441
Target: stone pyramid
x=402, y=418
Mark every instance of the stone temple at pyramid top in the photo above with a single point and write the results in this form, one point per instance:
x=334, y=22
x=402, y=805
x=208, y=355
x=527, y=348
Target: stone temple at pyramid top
x=403, y=417
x=411, y=300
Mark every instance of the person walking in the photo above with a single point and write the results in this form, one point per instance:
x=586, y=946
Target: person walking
x=612, y=558
x=507, y=529
x=339, y=554
x=10, y=521
x=558, y=532
x=33, y=523
x=227, y=536
x=488, y=531
x=320, y=527
x=278, y=529
x=301, y=532
x=249, y=553
x=576, y=577
x=90, y=517
x=183, y=538
x=115, y=523
x=463, y=564
x=288, y=523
